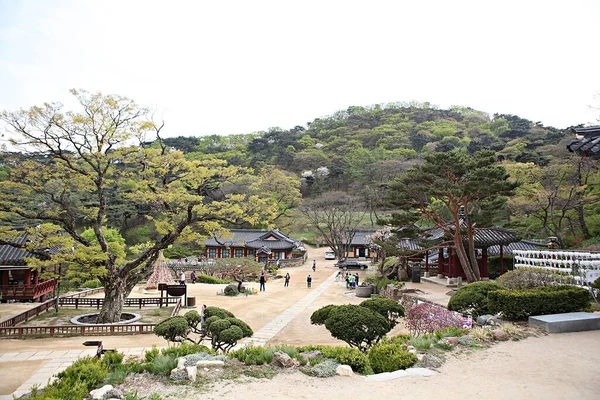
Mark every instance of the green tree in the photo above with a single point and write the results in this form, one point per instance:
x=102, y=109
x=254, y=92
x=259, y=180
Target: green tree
x=447, y=183
x=93, y=152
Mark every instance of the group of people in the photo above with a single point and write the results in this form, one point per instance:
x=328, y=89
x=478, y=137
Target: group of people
x=182, y=277
x=351, y=279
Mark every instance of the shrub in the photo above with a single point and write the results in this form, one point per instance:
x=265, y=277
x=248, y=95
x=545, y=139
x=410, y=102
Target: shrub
x=320, y=316
x=112, y=359
x=254, y=355
x=225, y=333
x=529, y=278
x=387, y=308
x=389, y=357
x=449, y=331
x=75, y=382
x=91, y=284
x=516, y=304
x=358, y=326
x=192, y=317
x=422, y=343
x=218, y=311
x=172, y=329
x=596, y=284
x=184, y=349
x=344, y=355
x=494, y=265
x=151, y=354
x=161, y=365
x=473, y=298
x=230, y=290
x=325, y=369
x=481, y=333
x=429, y=318
x=382, y=282
x=201, y=278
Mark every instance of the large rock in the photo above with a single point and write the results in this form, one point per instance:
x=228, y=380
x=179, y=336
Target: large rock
x=499, y=334
x=482, y=320
x=181, y=363
x=98, y=394
x=344, y=370
x=191, y=373
x=429, y=361
x=282, y=360
x=113, y=393
x=179, y=374
x=210, y=363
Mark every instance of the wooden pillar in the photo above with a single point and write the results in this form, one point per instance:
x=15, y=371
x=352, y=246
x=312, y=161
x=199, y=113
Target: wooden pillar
x=36, y=277
x=440, y=261
x=501, y=259
x=483, y=269
x=427, y=263
x=5, y=277
x=27, y=281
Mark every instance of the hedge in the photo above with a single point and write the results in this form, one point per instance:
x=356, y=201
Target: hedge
x=517, y=304
x=472, y=299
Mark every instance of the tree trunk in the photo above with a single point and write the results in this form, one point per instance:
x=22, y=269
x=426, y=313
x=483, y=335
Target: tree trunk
x=115, y=292
x=472, y=252
x=464, y=260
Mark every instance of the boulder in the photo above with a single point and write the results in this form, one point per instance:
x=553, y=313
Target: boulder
x=344, y=370
x=482, y=320
x=499, y=334
x=113, y=393
x=282, y=360
x=191, y=373
x=429, y=361
x=210, y=363
x=181, y=363
x=179, y=374
x=311, y=354
x=98, y=394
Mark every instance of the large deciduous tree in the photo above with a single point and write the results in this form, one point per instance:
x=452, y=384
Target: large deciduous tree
x=94, y=159
x=336, y=216
x=446, y=183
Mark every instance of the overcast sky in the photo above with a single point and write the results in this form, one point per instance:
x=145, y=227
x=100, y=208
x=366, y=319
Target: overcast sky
x=243, y=66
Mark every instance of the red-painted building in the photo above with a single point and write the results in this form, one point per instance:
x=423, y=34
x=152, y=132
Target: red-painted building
x=262, y=245
x=17, y=280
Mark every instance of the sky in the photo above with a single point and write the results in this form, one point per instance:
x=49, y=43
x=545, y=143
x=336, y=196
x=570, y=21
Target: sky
x=230, y=67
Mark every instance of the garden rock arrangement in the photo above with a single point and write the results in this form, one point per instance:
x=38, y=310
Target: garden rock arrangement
x=190, y=366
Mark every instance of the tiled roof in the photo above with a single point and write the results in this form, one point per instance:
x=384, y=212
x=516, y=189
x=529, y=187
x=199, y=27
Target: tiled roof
x=483, y=237
x=360, y=237
x=255, y=238
x=409, y=244
x=509, y=248
x=589, y=143
x=10, y=255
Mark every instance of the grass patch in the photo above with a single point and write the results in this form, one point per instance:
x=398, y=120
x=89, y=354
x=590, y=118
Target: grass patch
x=149, y=315
x=261, y=372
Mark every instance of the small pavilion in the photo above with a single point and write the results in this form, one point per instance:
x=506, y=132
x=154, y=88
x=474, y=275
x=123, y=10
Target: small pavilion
x=586, y=142
x=17, y=280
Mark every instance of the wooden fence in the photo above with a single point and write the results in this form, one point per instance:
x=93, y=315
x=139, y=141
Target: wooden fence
x=130, y=302
x=19, y=332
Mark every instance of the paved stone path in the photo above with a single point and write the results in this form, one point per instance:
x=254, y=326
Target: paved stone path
x=268, y=332
x=58, y=360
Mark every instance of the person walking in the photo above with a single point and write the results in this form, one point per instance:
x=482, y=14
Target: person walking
x=262, y=281
x=314, y=265
x=193, y=277
x=309, y=281
x=356, y=278
x=182, y=278
x=287, y=280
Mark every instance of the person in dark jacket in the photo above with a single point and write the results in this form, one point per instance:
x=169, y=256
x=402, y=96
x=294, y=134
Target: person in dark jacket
x=309, y=281
x=262, y=281
x=287, y=280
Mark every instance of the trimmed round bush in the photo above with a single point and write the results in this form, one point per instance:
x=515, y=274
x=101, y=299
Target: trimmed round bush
x=473, y=298
x=389, y=357
x=358, y=326
x=218, y=311
x=517, y=304
x=387, y=308
x=231, y=335
x=193, y=317
x=172, y=329
x=220, y=325
x=231, y=290
x=246, y=330
x=320, y=316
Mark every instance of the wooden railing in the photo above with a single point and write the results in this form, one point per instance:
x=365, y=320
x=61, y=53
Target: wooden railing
x=24, y=316
x=28, y=292
x=75, y=330
x=87, y=302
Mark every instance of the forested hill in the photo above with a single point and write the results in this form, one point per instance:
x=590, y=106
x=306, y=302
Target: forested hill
x=363, y=146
